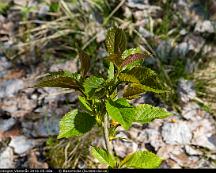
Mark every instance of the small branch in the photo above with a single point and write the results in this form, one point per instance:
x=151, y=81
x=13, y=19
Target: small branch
x=106, y=134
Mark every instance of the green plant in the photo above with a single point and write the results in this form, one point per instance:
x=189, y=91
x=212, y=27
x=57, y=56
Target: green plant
x=101, y=103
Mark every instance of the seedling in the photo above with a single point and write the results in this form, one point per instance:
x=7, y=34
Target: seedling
x=102, y=104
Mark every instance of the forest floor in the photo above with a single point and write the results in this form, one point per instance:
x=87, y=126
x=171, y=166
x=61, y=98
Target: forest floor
x=46, y=35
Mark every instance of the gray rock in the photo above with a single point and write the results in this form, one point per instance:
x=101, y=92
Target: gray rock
x=19, y=106
x=192, y=151
x=101, y=35
x=123, y=148
x=190, y=111
x=133, y=132
x=145, y=33
x=186, y=90
x=9, y=105
x=195, y=42
x=203, y=135
x=204, y=27
x=164, y=49
x=21, y=144
x=4, y=65
x=154, y=138
x=11, y=87
x=44, y=127
x=70, y=65
x=182, y=49
x=6, y=124
x=7, y=159
x=44, y=9
x=177, y=133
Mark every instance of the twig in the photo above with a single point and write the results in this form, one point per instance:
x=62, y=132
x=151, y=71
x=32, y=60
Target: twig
x=106, y=134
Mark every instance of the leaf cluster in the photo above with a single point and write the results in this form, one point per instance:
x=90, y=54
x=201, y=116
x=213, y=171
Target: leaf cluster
x=99, y=96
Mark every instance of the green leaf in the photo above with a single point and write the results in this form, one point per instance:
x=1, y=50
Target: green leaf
x=116, y=59
x=146, y=113
x=63, y=79
x=93, y=85
x=124, y=77
x=133, y=91
x=85, y=62
x=147, y=77
x=84, y=103
x=111, y=71
x=75, y=123
x=121, y=111
x=133, y=57
x=115, y=41
x=103, y=156
x=141, y=159
x=131, y=51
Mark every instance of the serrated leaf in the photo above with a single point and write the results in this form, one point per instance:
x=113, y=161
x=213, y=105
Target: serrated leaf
x=124, y=77
x=115, y=41
x=141, y=159
x=75, y=123
x=132, y=58
x=63, y=79
x=85, y=62
x=131, y=51
x=111, y=71
x=92, y=85
x=133, y=90
x=84, y=103
x=103, y=156
x=115, y=59
x=146, y=77
x=121, y=111
x=146, y=113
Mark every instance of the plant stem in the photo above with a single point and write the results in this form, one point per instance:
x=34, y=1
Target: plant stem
x=106, y=134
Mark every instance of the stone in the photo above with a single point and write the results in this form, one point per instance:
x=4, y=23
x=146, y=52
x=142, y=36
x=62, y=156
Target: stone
x=7, y=159
x=44, y=9
x=192, y=151
x=145, y=33
x=165, y=151
x=21, y=144
x=10, y=87
x=43, y=127
x=18, y=106
x=204, y=27
x=164, y=49
x=203, y=138
x=6, y=124
x=133, y=133
x=70, y=65
x=171, y=164
x=195, y=43
x=123, y=148
x=101, y=36
x=182, y=49
x=183, y=160
x=186, y=90
x=177, y=133
x=4, y=64
x=34, y=163
x=154, y=138
x=9, y=104
x=191, y=111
